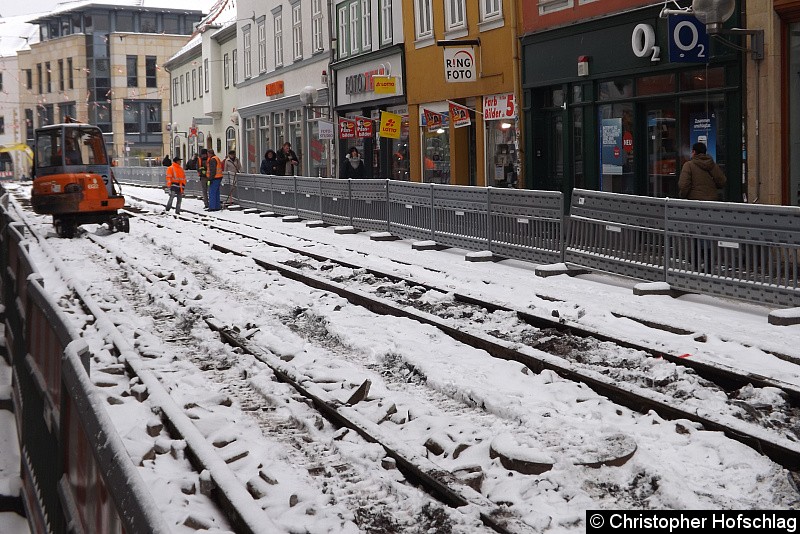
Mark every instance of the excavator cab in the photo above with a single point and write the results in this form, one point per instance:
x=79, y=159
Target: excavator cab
x=73, y=181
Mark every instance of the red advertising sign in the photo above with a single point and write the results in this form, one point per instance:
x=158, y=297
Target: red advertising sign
x=627, y=142
x=347, y=129
x=433, y=120
x=459, y=115
x=363, y=127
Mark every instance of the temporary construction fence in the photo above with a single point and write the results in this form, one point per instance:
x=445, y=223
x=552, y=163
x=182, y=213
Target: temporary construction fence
x=746, y=251
x=74, y=474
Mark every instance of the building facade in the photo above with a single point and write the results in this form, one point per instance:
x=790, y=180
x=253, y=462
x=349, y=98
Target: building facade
x=369, y=73
x=203, y=95
x=462, y=59
x=283, y=95
x=616, y=100
x=15, y=35
x=102, y=64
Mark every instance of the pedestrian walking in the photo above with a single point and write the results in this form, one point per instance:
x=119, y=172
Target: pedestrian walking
x=215, y=181
x=700, y=176
x=176, y=180
x=287, y=161
x=192, y=164
x=202, y=173
x=353, y=166
x=166, y=162
x=269, y=165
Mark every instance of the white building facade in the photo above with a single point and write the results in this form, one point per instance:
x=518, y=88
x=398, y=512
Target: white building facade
x=282, y=88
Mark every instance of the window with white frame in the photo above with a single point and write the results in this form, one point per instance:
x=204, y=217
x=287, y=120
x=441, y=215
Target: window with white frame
x=423, y=18
x=248, y=64
x=262, y=45
x=366, y=24
x=316, y=25
x=226, y=71
x=200, y=80
x=205, y=75
x=354, y=29
x=387, y=28
x=235, y=56
x=278, y=30
x=342, y=37
x=491, y=9
x=455, y=12
x=297, y=32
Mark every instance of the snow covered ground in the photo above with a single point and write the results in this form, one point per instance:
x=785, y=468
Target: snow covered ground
x=455, y=396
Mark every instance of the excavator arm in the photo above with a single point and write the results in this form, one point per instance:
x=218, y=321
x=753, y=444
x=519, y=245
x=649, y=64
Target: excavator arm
x=21, y=147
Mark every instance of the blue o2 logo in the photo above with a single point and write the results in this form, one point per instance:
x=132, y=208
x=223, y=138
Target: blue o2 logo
x=688, y=40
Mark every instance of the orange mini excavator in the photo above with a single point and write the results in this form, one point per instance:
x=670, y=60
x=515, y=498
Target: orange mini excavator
x=73, y=181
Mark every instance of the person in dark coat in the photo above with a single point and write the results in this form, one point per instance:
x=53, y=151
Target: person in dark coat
x=191, y=165
x=700, y=176
x=353, y=166
x=287, y=161
x=166, y=162
x=269, y=165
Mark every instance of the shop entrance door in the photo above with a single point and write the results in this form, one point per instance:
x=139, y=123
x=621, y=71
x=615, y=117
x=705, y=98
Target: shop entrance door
x=662, y=150
x=549, y=140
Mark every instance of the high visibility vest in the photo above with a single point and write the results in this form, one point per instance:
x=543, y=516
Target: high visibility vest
x=176, y=175
x=218, y=171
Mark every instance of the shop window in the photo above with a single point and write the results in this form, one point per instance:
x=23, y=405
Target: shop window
x=615, y=123
x=704, y=119
x=436, y=153
x=264, y=140
x=703, y=79
x=654, y=85
x=615, y=90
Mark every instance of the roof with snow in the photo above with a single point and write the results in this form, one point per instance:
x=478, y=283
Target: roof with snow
x=221, y=16
x=135, y=5
x=16, y=34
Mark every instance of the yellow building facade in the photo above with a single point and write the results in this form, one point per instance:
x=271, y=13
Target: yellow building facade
x=462, y=61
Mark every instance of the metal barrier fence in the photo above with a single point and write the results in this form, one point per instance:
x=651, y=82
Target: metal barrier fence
x=745, y=251
x=74, y=474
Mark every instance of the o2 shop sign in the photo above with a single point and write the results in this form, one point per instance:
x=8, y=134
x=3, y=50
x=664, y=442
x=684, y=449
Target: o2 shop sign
x=688, y=40
x=643, y=42
x=459, y=65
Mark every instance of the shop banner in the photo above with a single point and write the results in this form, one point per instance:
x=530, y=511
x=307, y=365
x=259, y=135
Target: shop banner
x=459, y=65
x=611, y=153
x=347, y=129
x=325, y=130
x=363, y=127
x=390, y=125
x=385, y=85
x=433, y=120
x=459, y=115
x=688, y=40
x=497, y=107
x=703, y=129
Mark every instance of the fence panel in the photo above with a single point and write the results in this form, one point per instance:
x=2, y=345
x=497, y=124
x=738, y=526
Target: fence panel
x=368, y=204
x=621, y=234
x=283, y=195
x=526, y=225
x=460, y=216
x=745, y=251
x=308, y=198
x=335, y=201
x=410, y=210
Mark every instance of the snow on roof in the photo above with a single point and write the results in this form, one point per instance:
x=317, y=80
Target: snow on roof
x=16, y=33
x=221, y=15
x=202, y=6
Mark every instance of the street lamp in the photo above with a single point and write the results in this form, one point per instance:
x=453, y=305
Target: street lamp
x=308, y=97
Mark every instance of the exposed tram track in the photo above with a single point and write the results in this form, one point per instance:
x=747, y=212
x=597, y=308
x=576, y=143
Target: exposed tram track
x=746, y=410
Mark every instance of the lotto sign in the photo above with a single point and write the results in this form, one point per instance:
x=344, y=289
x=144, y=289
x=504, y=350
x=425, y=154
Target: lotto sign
x=363, y=127
x=459, y=65
x=688, y=40
x=347, y=129
x=390, y=125
x=496, y=107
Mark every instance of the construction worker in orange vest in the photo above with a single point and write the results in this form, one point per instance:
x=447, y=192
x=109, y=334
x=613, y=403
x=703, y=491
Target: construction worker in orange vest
x=215, y=177
x=176, y=180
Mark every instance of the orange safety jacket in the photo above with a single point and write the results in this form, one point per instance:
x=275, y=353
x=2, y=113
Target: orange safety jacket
x=176, y=176
x=218, y=168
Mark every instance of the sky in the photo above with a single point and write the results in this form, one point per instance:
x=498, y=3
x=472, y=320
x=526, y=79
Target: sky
x=11, y=9
x=437, y=389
